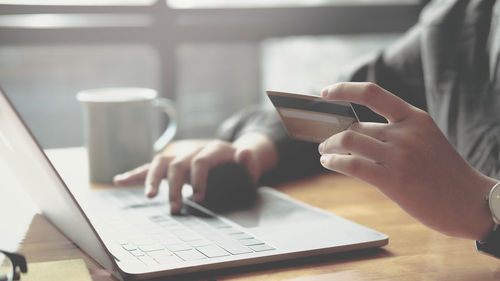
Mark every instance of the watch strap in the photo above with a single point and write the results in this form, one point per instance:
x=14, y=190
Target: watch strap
x=490, y=245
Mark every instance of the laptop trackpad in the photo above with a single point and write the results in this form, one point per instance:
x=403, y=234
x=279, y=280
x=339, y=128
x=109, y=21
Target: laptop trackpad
x=272, y=208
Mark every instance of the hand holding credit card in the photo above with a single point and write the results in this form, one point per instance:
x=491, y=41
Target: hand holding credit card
x=311, y=118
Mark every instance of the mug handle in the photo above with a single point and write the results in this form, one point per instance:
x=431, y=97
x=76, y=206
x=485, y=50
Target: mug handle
x=167, y=106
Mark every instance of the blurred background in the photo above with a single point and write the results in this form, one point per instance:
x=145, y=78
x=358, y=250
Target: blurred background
x=213, y=57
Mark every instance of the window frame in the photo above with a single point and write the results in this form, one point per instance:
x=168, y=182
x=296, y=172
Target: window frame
x=169, y=26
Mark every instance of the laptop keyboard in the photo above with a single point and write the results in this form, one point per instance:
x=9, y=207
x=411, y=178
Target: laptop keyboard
x=166, y=239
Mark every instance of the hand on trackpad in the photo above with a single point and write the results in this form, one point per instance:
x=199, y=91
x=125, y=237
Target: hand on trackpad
x=229, y=187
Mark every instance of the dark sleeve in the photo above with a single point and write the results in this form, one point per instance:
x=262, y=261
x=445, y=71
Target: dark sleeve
x=482, y=135
x=462, y=88
x=398, y=68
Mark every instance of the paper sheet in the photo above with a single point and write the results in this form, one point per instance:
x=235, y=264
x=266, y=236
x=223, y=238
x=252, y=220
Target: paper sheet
x=75, y=270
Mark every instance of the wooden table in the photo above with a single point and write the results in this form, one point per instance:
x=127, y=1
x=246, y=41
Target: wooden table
x=414, y=252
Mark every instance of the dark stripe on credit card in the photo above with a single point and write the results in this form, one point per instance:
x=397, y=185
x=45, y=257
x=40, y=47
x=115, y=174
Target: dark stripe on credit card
x=311, y=105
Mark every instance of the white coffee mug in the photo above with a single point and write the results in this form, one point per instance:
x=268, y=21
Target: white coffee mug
x=121, y=129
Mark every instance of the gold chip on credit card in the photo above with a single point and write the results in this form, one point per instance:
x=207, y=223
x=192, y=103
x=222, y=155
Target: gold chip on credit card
x=311, y=118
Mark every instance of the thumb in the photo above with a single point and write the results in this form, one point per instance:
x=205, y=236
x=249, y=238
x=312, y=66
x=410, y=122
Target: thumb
x=246, y=159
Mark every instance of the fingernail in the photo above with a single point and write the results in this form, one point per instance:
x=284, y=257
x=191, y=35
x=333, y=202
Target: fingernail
x=320, y=148
x=323, y=159
x=149, y=190
x=324, y=92
x=119, y=177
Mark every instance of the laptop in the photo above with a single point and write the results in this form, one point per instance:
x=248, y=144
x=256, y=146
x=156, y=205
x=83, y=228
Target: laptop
x=136, y=238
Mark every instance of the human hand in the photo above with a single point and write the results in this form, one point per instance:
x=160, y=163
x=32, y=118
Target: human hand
x=410, y=161
x=191, y=161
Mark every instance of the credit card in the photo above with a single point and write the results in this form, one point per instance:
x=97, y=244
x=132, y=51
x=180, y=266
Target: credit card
x=311, y=118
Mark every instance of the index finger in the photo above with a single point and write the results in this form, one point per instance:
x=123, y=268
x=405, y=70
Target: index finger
x=132, y=176
x=372, y=96
x=157, y=171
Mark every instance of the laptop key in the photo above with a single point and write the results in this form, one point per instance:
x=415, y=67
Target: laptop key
x=164, y=257
x=230, y=230
x=251, y=242
x=137, y=253
x=159, y=253
x=212, y=251
x=167, y=223
x=151, y=247
x=240, y=236
x=179, y=247
x=172, y=241
x=168, y=259
x=234, y=248
x=179, y=230
x=261, y=248
x=217, y=223
x=142, y=241
x=199, y=243
x=147, y=260
x=163, y=237
x=129, y=247
x=213, y=235
x=190, y=237
x=159, y=218
x=190, y=255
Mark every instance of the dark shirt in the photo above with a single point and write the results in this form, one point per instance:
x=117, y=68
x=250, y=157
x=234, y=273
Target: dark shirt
x=447, y=64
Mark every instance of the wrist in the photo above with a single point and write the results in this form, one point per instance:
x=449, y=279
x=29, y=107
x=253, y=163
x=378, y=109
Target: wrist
x=262, y=149
x=484, y=223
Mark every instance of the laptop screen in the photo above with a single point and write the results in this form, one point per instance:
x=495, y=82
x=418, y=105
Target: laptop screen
x=23, y=157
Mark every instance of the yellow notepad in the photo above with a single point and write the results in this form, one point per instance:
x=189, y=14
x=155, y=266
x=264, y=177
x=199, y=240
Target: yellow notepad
x=74, y=270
